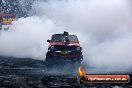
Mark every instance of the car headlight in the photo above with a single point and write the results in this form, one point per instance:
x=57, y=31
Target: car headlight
x=52, y=47
x=78, y=48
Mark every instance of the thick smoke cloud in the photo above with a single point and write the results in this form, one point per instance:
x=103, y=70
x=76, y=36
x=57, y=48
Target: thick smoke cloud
x=103, y=28
x=27, y=38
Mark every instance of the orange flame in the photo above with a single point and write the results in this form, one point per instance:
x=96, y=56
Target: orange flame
x=81, y=71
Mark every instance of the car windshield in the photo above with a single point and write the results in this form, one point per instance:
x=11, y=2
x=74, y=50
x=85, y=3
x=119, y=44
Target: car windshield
x=64, y=48
x=60, y=38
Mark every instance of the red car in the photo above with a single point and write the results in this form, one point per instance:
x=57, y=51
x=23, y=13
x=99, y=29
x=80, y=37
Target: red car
x=63, y=49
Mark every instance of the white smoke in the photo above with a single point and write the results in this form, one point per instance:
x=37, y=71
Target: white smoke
x=103, y=28
x=27, y=38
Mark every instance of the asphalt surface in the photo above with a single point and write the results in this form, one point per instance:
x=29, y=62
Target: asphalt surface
x=30, y=73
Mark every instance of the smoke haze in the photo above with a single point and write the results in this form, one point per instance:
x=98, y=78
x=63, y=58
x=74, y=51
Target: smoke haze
x=103, y=27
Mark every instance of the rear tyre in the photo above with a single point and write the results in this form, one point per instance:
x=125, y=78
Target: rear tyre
x=49, y=64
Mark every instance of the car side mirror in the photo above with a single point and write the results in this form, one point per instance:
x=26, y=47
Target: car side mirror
x=48, y=40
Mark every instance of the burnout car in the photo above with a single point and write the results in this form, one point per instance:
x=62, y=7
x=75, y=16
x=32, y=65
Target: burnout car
x=63, y=49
